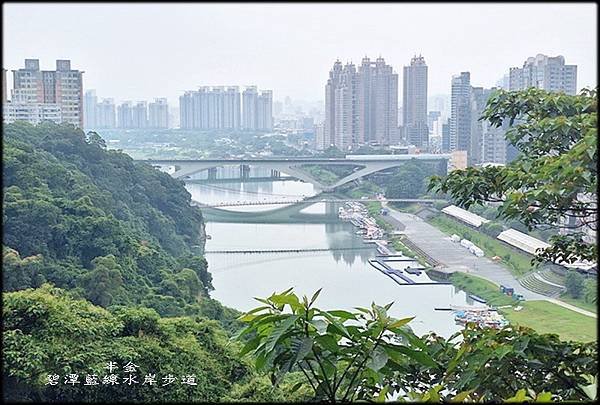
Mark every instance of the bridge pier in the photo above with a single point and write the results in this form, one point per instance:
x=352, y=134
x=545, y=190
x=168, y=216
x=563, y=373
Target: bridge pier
x=244, y=171
x=212, y=173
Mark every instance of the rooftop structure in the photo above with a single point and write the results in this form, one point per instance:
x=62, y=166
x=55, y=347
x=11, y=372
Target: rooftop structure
x=522, y=241
x=465, y=216
x=532, y=246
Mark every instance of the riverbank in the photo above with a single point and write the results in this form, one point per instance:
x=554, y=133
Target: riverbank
x=518, y=262
x=540, y=314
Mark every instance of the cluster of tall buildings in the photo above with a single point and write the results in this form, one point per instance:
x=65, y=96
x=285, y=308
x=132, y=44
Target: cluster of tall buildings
x=361, y=105
x=221, y=107
x=482, y=142
x=141, y=115
x=38, y=95
x=98, y=115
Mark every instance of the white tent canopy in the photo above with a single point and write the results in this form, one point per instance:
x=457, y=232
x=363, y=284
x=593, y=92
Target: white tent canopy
x=531, y=245
x=465, y=216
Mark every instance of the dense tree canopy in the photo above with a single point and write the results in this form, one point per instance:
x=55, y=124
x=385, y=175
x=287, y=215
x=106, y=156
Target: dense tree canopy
x=553, y=181
x=410, y=180
x=115, y=231
x=46, y=332
x=120, y=235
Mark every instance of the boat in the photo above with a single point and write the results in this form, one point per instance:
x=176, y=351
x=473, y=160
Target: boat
x=478, y=299
x=472, y=309
x=485, y=319
x=355, y=223
x=208, y=237
x=410, y=270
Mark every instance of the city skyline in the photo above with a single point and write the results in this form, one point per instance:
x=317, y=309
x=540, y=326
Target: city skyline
x=244, y=44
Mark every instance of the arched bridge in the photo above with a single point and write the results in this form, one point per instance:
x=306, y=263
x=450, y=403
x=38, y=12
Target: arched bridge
x=366, y=164
x=312, y=201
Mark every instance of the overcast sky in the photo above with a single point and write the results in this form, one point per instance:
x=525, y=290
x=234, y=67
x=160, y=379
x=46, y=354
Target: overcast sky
x=142, y=51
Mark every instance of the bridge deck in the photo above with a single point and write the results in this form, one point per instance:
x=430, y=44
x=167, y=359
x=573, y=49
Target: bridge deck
x=286, y=250
x=312, y=201
x=361, y=159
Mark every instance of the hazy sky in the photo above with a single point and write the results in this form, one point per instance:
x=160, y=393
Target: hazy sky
x=142, y=51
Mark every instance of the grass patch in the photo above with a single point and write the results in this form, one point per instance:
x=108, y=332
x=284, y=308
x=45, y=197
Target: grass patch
x=579, y=303
x=542, y=316
x=365, y=188
x=373, y=207
x=383, y=225
x=374, y=210
x=518, y=263
x=482, y=288
x=546, y=317
x=323, y=175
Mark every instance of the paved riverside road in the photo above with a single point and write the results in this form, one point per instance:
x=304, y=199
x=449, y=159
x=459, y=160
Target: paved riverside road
x=440, y=247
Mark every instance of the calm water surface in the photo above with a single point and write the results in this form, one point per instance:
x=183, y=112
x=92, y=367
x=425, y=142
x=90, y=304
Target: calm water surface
x=346, y=277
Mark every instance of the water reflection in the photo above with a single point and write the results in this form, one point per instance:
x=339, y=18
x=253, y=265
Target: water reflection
x=347, y=279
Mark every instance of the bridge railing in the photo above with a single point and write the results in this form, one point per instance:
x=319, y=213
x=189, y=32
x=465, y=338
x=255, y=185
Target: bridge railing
x=276, y=202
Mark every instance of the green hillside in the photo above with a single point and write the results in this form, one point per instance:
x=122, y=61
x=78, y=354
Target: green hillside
x=94, y=221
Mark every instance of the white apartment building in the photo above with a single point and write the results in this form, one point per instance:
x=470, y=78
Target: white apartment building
x=105, y=114
x=219, y=107
x=158, y=114
x=249, y=108
x=544, y=72
x=125, y=115
x=140, y=114
x=33, y=113
x=90, y=107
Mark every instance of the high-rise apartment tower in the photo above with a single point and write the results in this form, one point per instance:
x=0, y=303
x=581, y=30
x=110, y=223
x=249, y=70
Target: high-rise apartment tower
x=415, y=103
x=544, y=72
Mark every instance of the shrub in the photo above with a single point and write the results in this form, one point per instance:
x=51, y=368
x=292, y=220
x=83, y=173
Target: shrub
x=574, y=284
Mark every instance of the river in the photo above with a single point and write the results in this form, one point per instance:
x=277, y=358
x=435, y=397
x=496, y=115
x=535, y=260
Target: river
x=346, y=277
